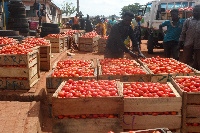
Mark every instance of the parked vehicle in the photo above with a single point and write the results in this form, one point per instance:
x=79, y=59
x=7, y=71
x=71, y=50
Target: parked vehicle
x=156, y=12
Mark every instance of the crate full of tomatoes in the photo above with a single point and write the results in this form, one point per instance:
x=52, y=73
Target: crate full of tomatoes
x=88, y=42
x=189, y=88
x=19, y=68
x=124, y=69
x=162, y=69
x=89, y=106
x=44, y=50
x=54, y=79
x=57, y=42
x=151, y=105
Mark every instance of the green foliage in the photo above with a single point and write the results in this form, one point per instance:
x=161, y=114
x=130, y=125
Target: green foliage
x=67, y=8
x=134, y=8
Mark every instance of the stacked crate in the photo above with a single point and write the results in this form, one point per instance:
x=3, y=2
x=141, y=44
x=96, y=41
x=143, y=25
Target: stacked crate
x=19, y=71
x=83, y=106
x=57, y=44
x=191, y=105
x=152, y=112
x=102, y=45
x=88, y=44
x=45, y=57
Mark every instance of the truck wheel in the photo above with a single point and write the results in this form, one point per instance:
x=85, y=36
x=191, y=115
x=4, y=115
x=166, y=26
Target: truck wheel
x=150, y=45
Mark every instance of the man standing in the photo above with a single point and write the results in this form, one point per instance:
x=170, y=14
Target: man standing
x=171, y=38
x=110, y=23
x=190, y=39
x=88, y=27
x=75, y=22
x=115, y=46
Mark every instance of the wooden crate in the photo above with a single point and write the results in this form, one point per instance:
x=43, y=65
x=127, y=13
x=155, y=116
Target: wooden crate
x=87, y=105
x=102, y=45
x=45, y=57
x=66, y=42
x=191, y=108
x=88, y=47
x=57, y=44
x=126, y=78
x=153, y=104
x=54, y=82
x=31, y=71
x=88, y=40
x=166, y=77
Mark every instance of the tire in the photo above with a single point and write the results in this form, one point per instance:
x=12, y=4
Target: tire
x=9, y=33
x=19, y=20
x=16, y=9
x=49, y=29
x=13, y=13
x=50, y=25
x=150, y=45
x=23, y=30
x=19, y=25
x=43, y=34
x=32, y=33
x=17, y=15
x=20, y=38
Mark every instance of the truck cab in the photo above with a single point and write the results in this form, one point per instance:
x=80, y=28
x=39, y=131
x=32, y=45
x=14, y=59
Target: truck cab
x=156, y=12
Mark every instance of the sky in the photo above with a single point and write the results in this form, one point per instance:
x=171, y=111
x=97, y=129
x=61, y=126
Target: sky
x=100, y=7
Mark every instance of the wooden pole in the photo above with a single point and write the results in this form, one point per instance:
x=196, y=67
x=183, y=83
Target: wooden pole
x=78, y=6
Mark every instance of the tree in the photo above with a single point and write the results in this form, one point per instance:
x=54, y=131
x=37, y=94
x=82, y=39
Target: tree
x=67, y=8
x=134, y=8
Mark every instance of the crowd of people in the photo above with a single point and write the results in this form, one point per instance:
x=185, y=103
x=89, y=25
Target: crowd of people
x=183, y=33
x=180, y=33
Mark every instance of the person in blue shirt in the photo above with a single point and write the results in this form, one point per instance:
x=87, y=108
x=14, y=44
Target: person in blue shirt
x=171, y=38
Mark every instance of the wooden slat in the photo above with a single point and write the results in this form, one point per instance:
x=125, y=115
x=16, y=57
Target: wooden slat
x=87, y=125
x=150, y=122
x=193, y=111
x=54, y=82
x=86, y=105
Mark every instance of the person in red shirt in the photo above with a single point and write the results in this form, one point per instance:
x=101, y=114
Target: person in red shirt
x=76, y=23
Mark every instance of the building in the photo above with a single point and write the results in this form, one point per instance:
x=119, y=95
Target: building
x=50, y=12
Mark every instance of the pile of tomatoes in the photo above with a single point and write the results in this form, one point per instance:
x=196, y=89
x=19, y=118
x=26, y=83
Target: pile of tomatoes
x=74, y=63
x=104, y=37
x=90, y=34
x=189, y=84
x=141, y=89
x=118, y=62
x=70, y=32
x=120, y=67
x=88, y=88
x=6, y=40
x=73, y=72
x=15, y=49
x=36, y=41
x=121, y=70
x=166, y=65
x=55, y=35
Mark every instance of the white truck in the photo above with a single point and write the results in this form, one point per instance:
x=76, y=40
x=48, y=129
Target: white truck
x=156, y=12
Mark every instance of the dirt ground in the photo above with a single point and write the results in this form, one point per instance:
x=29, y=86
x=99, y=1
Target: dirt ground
x=47, y=120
